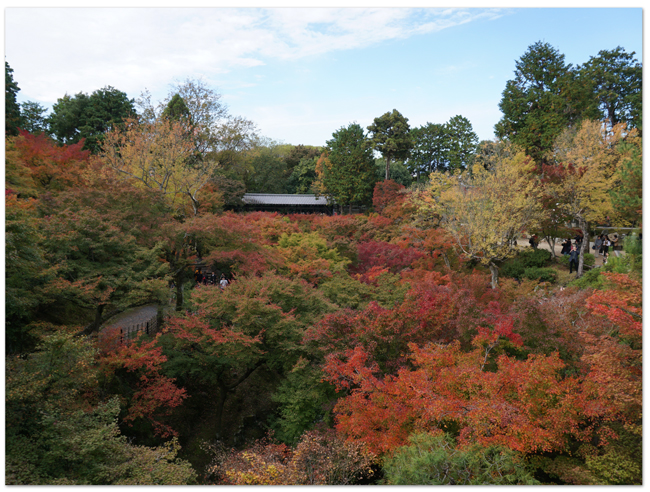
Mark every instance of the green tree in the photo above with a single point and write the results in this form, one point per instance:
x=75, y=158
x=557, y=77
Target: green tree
x=617, y=85
x=89, y=117
x=462, y=142
x=269, y=170
x=544, y=98
x=303, y=176
x=347, y=174
x=176, y=109
x=399, y=172
x=429, y=150
x=389, y=135
x=12, y=109
x=32, y=117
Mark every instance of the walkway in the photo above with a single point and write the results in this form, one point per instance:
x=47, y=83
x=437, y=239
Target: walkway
x=132, y=316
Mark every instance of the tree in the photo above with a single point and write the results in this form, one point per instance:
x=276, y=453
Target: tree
x=627, y=193
x=617, y=84
x=88, y=117
x=347, y=172
x=176, y=109
x=254, y=325
x=303, y=175
x=58, y=431
x=32, y=117
x=485, y=210
x=544, y=98
x=158, y=155
x=12, y=109
x=462, y=142
x=389, y=134
x=269, y=171
x=429, y=150
x=587, y=159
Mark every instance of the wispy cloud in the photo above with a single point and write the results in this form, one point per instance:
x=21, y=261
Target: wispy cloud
x=54, y=51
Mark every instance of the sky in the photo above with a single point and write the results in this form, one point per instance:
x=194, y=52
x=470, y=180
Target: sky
x=300, y=74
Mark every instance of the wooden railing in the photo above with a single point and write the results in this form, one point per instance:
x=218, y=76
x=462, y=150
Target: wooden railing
x=150, y=327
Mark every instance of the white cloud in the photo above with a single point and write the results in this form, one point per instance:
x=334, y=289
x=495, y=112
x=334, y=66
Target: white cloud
x=54, y=51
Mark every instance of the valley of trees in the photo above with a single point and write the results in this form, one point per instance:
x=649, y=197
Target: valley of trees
x=420, y=342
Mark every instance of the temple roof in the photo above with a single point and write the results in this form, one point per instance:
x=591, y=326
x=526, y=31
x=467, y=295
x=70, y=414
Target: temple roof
x=273, y=199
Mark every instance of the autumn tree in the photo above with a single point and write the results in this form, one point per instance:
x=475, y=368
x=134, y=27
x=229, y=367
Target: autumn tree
x=253, y=326
x=58, y=430
x=158, y=155
x=485, y=210
x=346, y=172
x=588, y=159
x=390, y=136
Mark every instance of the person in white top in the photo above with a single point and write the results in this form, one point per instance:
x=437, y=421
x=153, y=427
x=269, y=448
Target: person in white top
x=223, y=282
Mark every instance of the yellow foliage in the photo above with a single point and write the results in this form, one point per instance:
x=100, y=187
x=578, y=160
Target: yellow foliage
x=589, y=158
x=159, y=155
x=484, y=210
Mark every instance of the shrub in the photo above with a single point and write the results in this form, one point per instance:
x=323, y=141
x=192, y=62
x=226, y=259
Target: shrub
x=434, y=460
x=534, y=257
x=513, y=269
x=541, y=274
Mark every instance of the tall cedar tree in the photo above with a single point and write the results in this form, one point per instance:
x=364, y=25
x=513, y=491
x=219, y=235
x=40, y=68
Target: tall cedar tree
x=544, y=98
x=617, y=79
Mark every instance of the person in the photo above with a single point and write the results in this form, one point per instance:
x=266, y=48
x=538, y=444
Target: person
x=606, y=245
x=566, y=246
x=614, y=242
x=223, y=282
x=578, y=239
x=598, y=244
x=573, y=259
x=213, y=279
x=606, y=258
x=533, y=241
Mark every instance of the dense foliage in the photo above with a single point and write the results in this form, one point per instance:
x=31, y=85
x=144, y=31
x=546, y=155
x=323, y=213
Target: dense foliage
x=419, y=342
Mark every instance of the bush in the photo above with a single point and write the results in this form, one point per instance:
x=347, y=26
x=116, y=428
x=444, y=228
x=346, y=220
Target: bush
x=534, y=257
x=434, y=460
x=513, y=269
x=528, y=258
x=541, y=274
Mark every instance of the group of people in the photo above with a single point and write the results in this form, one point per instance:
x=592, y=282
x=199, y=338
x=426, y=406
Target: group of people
x=210, y=279
x=601, y=247
x=602, y=244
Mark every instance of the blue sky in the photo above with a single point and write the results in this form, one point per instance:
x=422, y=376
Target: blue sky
x=301, y=73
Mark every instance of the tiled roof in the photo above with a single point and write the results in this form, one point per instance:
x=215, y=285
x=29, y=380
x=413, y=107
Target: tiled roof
x=270, y=199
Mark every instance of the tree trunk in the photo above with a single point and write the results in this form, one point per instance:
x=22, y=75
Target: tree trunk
x=223, y=396
x=584, y=227
x=387, y=167
x=178, y=281
x=350, y=209
x=551, y=242
x=494, y=270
